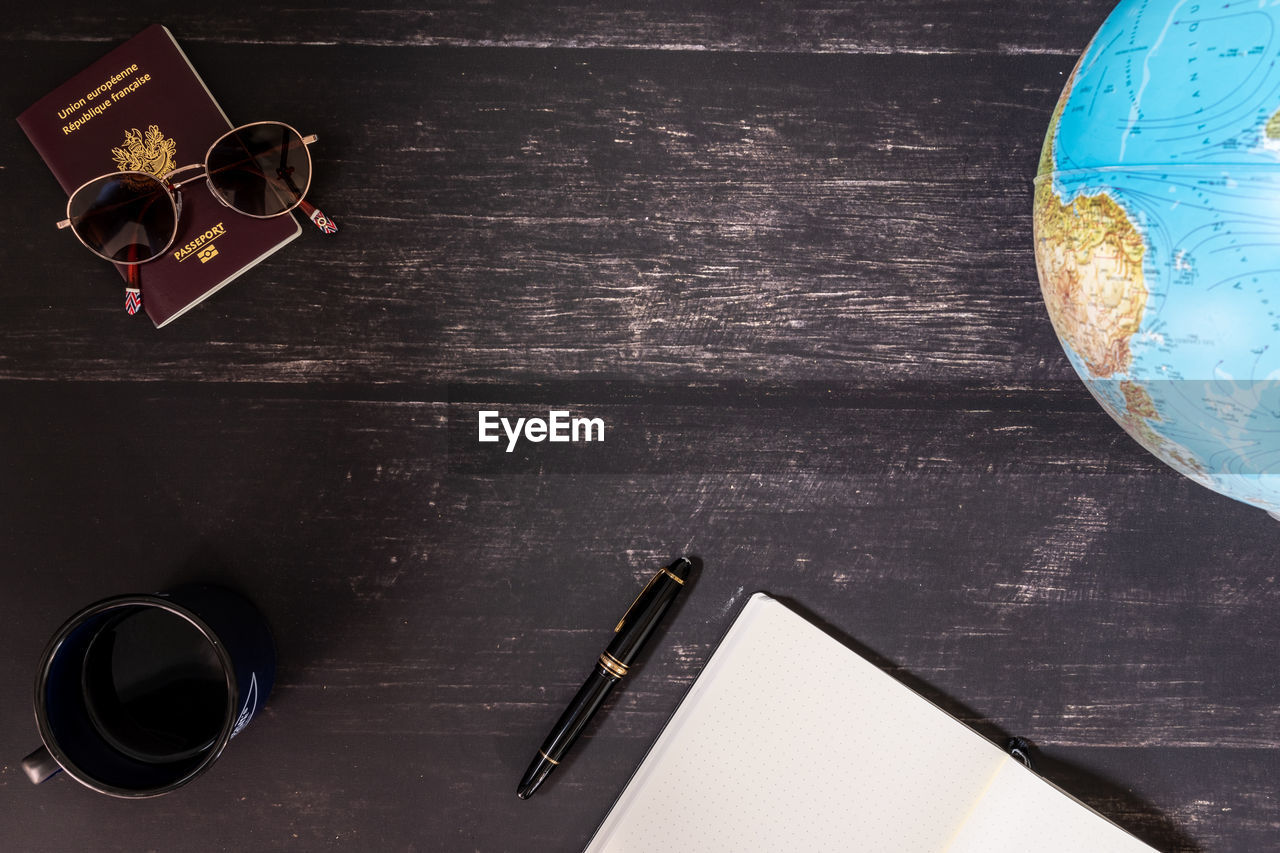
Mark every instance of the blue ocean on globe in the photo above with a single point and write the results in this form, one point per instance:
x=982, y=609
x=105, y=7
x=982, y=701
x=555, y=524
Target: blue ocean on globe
x=1157, y=231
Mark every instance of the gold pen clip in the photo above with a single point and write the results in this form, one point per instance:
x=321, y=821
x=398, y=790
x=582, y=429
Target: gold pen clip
x=651, y=582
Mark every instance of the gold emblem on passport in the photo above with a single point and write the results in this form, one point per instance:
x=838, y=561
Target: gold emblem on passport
x=146, y=152
x=208, y=254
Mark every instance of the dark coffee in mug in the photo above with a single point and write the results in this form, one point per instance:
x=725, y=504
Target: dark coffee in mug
x=139, y=694
x=153, y=686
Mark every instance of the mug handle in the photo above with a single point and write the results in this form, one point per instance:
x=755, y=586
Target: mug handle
x=40, y=765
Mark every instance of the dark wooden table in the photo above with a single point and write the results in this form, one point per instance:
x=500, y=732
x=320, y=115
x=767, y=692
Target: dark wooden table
x=782, y=249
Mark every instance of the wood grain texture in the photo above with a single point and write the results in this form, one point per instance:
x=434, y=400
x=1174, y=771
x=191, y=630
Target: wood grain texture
x=860, y=26
x=782, y=250
x=539, y=213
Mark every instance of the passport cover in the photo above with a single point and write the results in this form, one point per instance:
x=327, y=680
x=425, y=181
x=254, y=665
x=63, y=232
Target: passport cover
x=143, y=107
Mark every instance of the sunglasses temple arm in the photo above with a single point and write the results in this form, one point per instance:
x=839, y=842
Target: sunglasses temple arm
x=317, y=217
x=132, y=287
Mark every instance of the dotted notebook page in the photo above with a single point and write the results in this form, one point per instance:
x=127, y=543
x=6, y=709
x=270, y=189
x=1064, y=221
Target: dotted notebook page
x=788, y=740
x=1023, y=813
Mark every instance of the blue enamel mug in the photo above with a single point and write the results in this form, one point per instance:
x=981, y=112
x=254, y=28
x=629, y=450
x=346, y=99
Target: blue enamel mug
x=139, y=694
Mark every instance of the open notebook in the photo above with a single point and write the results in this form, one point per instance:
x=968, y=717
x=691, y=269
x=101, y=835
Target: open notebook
x=789, y=740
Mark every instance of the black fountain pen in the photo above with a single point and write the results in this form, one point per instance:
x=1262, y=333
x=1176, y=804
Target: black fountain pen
x=629, y=635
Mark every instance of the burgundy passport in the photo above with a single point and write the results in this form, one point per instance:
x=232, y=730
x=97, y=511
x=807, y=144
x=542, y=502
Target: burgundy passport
x=143, y=107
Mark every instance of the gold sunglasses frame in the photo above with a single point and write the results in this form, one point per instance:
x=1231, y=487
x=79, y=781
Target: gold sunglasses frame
x=171, y=188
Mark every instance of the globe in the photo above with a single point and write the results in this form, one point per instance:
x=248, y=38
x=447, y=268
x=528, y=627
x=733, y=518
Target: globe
x=1157, y=235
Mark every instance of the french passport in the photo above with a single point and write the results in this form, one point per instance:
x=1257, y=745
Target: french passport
x=143, y=107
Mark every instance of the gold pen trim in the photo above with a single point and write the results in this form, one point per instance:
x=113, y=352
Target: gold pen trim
x=659, y=573
x=549, y=758
x=612, y=665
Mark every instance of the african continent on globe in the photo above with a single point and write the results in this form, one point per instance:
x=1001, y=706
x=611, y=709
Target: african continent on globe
x=1157, y=233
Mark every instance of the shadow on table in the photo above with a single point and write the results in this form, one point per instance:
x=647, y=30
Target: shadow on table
x=309, y=621
x=1112, y=799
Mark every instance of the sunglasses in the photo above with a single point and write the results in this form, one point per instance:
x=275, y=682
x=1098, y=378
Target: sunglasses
x=262, y=170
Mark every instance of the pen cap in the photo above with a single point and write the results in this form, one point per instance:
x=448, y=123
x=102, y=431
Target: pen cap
x=647, y=610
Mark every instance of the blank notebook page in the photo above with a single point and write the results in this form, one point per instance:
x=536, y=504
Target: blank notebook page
x=789, y=740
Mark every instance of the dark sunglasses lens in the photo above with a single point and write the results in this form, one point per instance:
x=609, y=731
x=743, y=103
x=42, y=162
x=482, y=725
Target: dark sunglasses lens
x=127, y=217
x=262, y=169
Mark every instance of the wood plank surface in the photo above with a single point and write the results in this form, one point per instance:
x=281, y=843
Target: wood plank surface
x=858, y=26
x=549, y=213
x=781, y=250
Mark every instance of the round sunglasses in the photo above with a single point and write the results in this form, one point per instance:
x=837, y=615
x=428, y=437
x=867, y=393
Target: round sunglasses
x=260, y=170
